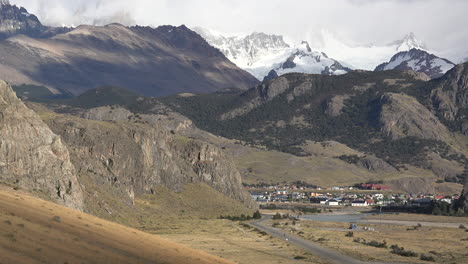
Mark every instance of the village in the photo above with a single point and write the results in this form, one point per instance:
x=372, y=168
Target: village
x=362, y=195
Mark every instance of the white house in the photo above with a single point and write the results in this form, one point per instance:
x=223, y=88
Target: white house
x=333, y=202
x=359, y=203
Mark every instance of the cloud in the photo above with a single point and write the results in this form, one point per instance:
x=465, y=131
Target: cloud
x=440, y=24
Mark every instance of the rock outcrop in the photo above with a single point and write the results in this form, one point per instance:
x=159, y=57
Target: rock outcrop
x=133, y=156
x=32, y=157
x=334, y=106
x=450, y=97
x=402, y=115
x=463, y=202
x=376, y=165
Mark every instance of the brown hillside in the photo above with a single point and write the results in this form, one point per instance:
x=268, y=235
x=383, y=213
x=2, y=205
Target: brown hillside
x=36, y=231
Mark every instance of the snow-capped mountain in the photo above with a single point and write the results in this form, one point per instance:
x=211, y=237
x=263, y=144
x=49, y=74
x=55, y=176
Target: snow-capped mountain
x=303, y=59
x=419, y=61
x=260, y=53
x=367, y=57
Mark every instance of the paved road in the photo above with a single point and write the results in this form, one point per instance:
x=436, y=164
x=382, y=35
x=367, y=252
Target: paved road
x=318, y=250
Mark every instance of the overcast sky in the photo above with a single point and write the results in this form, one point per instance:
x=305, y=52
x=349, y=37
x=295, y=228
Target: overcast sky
x=440, y=24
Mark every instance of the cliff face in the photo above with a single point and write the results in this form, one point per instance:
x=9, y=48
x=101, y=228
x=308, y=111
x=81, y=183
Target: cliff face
x=32, y=157
x=464, y=198
x=450, y=97
x=133, y=157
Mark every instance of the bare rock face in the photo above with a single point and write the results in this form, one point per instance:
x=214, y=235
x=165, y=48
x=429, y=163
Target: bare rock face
x=402, y=116
x=450, y=97
x=32, y=156
x=463, y=202
x=334, y=106
x=134, y=157
x=270, y=90
x=377, y=165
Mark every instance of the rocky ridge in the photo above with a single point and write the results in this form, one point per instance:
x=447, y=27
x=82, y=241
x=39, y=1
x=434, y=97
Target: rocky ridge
x=419, y=61
x=150, y=61
x=450, y=97
x=133, y=154
x=32, y=157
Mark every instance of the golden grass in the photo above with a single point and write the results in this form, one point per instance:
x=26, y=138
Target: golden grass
x=36, y=231
x=276, y=167
x=420, y=218
x=233, y=241
x=446, y=245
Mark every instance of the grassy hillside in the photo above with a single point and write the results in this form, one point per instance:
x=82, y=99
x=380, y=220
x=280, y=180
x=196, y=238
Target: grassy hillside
x=36, y=231
x=284, y=114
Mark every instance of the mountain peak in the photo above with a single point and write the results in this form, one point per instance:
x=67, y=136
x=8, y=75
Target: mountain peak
x=17, y=20
x=409, y=42
x=305, y=46
x=419, y=61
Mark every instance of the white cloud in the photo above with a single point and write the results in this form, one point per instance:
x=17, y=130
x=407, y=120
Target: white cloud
x=439, y=23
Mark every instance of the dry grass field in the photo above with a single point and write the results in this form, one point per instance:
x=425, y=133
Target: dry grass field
x=420, y=218
x=36, y=231
x=445, y=245
x=236, y=242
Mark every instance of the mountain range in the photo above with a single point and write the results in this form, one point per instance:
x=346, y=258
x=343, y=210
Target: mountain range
x=266, y=56
x=152, y=61
x=395, y=123
x=261, y=54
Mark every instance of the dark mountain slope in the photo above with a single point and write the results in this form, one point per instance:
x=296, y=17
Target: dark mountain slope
x=16, y=20
x=151, y=61
x=388, y=114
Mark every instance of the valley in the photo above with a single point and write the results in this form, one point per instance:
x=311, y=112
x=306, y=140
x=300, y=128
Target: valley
x=126, y=142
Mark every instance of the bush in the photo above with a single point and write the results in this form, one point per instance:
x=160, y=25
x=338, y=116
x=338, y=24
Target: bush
x=299, y=257
x=257, y=215
x=427, y=257
x=402, y=252
x=277, y=216
x=349, y=234
x=372, y=243
x=462, y=227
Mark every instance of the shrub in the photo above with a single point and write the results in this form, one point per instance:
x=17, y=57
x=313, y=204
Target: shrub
x=277, y=216
x=427, y=257
x=257, y=215
x=57, y=219
x=462, y=227
x=349, y=234
x=372, y=243
x=299, y=257
x=402, y=252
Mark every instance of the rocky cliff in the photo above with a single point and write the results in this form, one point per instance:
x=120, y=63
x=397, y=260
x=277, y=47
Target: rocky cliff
x=32, y=157
x=450, y=97
x=135, y=154
x=463, y=202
